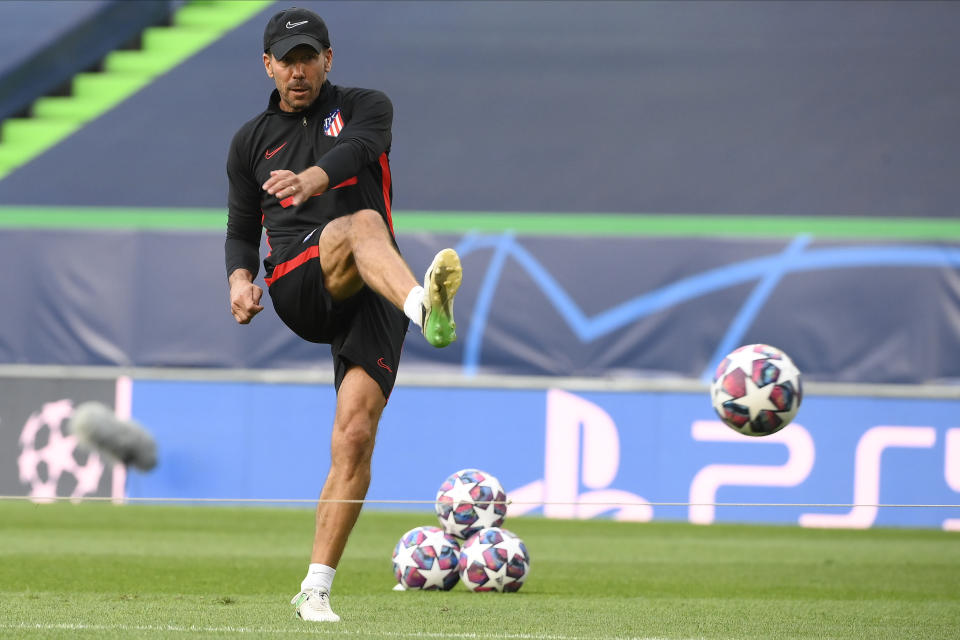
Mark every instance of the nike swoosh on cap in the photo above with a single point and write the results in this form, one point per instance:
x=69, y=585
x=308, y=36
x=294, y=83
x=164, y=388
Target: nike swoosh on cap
x=291, y=25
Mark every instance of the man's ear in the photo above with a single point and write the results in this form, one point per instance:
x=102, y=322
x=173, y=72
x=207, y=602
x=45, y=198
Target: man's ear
x=327, y=60
x=266, y=64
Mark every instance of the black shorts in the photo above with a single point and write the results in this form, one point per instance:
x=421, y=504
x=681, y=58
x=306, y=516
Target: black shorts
x=364, y=330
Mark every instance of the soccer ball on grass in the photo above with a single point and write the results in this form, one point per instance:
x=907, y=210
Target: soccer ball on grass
x=427, y=558
x=494, y=559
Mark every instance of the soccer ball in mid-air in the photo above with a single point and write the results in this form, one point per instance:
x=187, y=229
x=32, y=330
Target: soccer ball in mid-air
x=494, y=559
x=470, y=500
x=427, y=558
x=756, y=390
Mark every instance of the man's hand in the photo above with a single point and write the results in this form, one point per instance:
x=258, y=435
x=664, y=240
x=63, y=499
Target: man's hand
x=297, y=187
x=244, y=296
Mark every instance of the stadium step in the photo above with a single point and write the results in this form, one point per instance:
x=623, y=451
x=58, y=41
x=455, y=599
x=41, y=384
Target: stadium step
x=195, y=25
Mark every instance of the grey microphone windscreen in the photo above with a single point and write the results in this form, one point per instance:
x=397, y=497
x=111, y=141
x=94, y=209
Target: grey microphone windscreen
x=96, y=426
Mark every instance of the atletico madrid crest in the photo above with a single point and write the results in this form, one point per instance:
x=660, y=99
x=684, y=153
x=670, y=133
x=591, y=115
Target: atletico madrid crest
x=333, y=124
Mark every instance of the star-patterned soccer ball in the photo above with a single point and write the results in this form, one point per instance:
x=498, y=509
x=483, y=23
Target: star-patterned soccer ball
x=427, y=558
x=494, y=559
x=756, y=390
x=470, y=500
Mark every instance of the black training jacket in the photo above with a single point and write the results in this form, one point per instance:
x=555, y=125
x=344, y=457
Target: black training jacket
x=346, y=132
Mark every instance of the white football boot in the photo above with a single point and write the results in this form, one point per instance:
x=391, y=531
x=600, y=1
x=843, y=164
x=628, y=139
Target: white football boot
x=314, y=605
x=440, y=285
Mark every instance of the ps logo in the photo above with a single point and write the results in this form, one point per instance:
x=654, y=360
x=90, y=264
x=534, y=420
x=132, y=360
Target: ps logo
x=566, y=466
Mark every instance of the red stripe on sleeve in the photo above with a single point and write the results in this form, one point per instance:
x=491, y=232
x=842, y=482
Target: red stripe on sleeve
x=385, y=170
x=345, y=183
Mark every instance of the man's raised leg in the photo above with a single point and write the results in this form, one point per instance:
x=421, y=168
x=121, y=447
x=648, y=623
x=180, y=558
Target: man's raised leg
x=357, y=250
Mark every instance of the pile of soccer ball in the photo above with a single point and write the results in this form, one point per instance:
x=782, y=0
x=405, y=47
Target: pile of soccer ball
x=471, y=546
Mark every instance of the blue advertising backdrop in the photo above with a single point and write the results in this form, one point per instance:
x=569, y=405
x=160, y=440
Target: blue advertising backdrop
x=270, y=441
x=845, y=310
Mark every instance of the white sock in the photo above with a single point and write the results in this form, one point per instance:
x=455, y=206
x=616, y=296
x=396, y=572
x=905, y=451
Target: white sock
x=411, y=306
x=319, y=576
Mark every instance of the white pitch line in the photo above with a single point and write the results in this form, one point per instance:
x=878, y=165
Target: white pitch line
x=312, y=629
x=535, y=503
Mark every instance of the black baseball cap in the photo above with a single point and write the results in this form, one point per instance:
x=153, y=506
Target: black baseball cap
x=292, y=27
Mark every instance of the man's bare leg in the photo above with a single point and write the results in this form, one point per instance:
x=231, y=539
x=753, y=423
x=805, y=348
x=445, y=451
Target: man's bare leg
x=357, y=250
x=360, y=403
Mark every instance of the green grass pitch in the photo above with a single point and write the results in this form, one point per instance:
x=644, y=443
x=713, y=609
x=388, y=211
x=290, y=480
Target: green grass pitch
x=149, y=571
